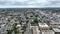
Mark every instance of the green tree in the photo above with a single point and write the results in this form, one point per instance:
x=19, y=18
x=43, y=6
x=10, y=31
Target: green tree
x=36, y=20
x=15, y=29
x=20, y=20
x=36, y=15
x=9, y=31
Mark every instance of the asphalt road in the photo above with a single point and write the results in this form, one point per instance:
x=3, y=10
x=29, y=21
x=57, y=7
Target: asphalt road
x=28, y=28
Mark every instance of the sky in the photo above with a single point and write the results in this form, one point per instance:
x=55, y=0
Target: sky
x=29, y=3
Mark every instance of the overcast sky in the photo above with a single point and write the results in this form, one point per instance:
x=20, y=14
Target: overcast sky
x=29, y=3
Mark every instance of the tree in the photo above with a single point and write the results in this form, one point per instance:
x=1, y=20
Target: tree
x=36, y=20
x=27, y=17
x=9, y=31
x=20, y=20
x=24, y=28
x=31, y=16
x=15, y=29
x=32, y=21
x=48, y=22
x=36, y=15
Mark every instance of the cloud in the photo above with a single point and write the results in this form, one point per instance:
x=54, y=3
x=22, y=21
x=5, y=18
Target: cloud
x=30, y=3
x=12, y=2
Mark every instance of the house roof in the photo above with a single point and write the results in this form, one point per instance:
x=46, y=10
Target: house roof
x=56, y=29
